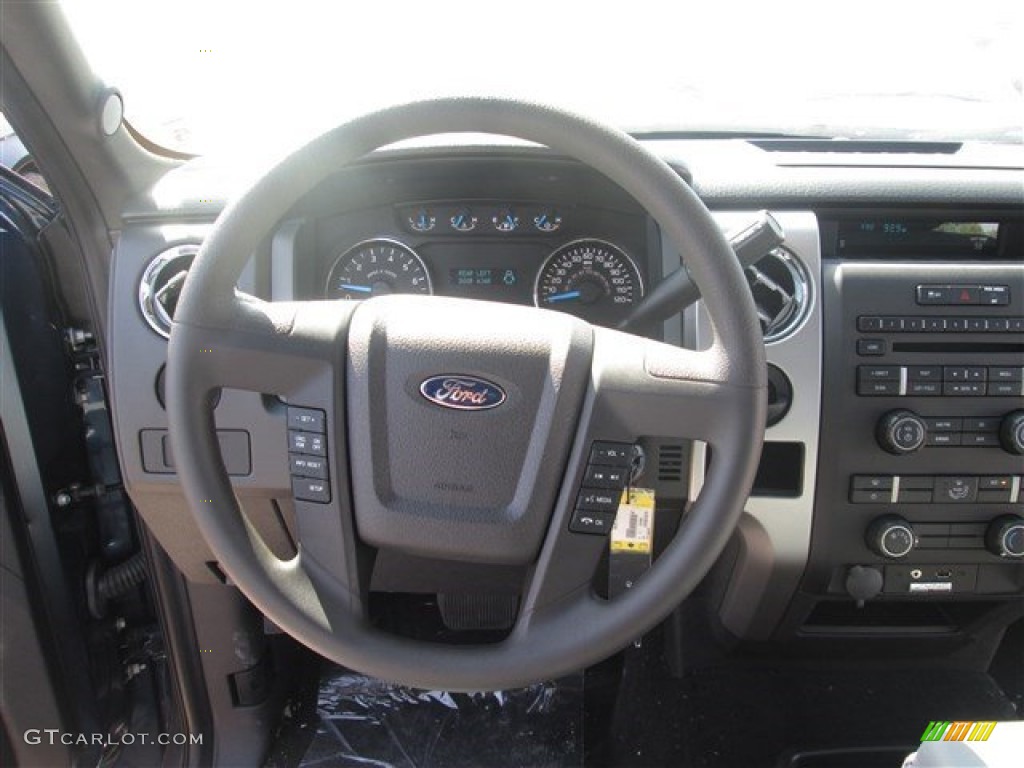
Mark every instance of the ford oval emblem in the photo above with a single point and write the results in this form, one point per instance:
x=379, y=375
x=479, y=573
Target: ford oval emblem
x=463, y=393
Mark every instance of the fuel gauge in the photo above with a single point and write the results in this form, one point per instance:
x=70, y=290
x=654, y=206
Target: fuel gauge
x=505, y=220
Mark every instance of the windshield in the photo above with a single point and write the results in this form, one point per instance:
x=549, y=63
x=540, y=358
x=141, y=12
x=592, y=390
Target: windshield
x=205, y=76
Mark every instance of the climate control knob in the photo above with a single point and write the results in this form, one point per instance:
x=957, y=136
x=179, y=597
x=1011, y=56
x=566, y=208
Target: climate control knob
x=1005, y=536
x=891, y=536
x=901, y=432
x=1011, y=432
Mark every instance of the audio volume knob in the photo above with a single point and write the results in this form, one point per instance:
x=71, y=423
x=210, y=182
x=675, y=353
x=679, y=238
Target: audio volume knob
x=1005, y=536
x=901, y=432
x=1011, y=432
x=891, y=536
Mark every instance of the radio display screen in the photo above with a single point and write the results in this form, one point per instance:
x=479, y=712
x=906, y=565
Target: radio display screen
x=921, y=237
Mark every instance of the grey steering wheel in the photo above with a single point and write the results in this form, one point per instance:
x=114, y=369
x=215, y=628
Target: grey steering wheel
x=487, y=486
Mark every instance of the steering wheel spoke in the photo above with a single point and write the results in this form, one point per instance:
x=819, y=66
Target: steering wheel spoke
x=274, y=348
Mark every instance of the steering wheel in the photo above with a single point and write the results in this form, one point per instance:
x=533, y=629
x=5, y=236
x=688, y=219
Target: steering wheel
x=496, y=481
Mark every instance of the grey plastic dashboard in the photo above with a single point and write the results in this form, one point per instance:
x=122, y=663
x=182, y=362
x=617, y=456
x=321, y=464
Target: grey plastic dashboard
x=374, y=202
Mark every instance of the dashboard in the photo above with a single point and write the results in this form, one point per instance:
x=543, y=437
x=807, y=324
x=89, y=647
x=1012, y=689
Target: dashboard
x=892, y=314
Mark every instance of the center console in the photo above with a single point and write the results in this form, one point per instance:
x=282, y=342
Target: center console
x=919, y=493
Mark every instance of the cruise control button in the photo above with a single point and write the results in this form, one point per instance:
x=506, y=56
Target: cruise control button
x=591, y=522
x=309, y=489
x=594, y=500
x=307, y=419
x=307, y=442
x=956, y=490
x=604, y=477
x=308, y=466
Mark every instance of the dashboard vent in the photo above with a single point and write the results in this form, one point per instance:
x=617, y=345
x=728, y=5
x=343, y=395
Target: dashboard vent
x=670, y=463
x=160, y=287
x=781, y=290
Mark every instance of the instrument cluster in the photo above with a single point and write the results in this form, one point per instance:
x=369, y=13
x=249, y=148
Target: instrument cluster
x=526, y=253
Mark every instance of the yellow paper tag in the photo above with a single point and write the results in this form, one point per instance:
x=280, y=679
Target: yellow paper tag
x=633, y=531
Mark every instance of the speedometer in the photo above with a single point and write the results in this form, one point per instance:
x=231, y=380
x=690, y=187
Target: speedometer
x=375, y=268
x=591, y=279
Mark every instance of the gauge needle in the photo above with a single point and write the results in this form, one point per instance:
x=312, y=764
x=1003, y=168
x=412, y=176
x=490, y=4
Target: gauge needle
x=568, y=295
x=357, y=288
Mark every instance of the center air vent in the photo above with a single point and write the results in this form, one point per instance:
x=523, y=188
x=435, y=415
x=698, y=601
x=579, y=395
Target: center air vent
x=781, y=290
x=161, y=285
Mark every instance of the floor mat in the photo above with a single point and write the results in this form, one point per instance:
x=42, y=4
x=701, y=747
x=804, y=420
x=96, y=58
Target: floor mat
x=364, y=722
x=772, y=715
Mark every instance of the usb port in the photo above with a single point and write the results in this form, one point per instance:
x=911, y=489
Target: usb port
x=944, y=573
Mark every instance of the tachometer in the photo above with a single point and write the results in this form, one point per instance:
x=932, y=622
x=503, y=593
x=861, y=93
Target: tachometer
x=591, y=279
x=377, y=267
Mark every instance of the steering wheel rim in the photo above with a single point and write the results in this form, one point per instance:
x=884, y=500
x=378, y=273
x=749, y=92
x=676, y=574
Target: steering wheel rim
x=302, y=350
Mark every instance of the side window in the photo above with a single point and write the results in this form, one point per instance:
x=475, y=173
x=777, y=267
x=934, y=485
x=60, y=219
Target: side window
x=15, y=156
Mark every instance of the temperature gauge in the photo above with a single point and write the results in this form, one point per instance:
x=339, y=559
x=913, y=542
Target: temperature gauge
x=548, y=220
x=463, y=220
